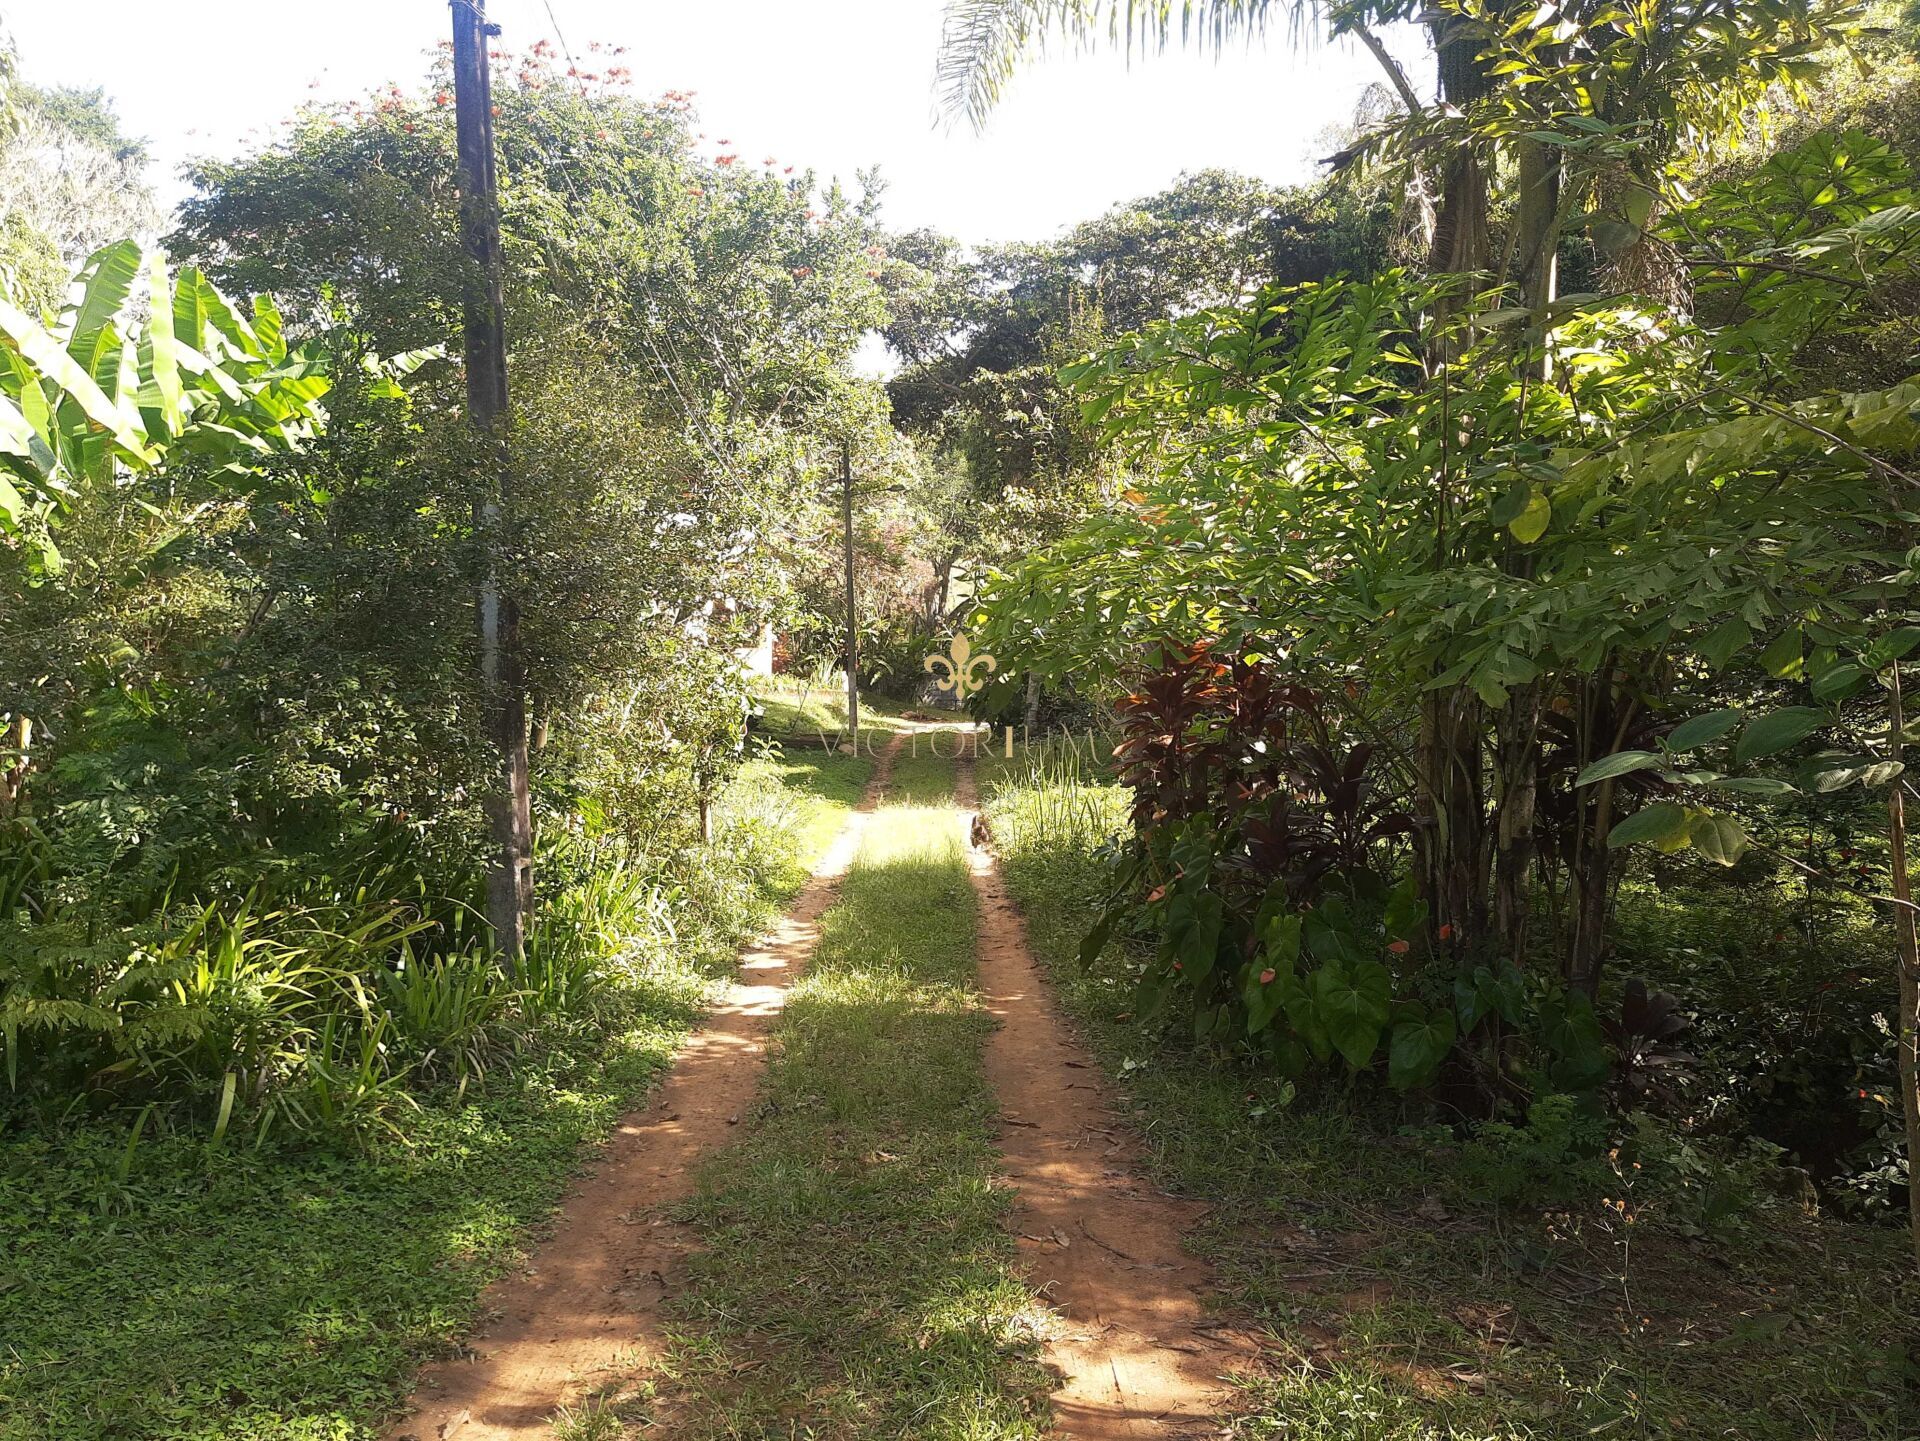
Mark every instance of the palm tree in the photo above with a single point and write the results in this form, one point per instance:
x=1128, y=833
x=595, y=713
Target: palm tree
x=982, y=42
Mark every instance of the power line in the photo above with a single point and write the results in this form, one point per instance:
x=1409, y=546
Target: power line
x=554, y=21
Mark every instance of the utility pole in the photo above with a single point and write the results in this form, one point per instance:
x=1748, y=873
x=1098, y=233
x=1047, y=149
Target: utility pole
x=503, y=681
x=853, y=637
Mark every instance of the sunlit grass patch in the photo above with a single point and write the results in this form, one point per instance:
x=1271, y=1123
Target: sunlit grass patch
x=855, y=1280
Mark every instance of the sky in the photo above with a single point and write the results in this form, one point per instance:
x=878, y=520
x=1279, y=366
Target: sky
x=836, y=85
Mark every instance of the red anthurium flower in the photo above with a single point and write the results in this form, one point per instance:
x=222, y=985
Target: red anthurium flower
x=1399, y=948
x=1266, y=977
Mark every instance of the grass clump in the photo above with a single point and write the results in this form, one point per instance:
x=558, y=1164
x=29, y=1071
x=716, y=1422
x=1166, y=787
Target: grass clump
x=854, y=1280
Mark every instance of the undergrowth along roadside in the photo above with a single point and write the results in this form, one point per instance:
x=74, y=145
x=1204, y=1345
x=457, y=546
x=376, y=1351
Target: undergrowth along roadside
x=1402, y=1302
x=854, y=1279
x=159, y=1286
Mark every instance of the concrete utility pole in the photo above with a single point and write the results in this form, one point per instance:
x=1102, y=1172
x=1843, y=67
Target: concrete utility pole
x=508, y=802
x=853, y=637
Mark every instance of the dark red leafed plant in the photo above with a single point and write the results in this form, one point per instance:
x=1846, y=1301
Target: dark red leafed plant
x=1648, y=1065
x=1259, y=867
x=1236, y=740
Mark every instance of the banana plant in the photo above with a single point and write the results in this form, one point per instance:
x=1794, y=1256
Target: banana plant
x=141, y=371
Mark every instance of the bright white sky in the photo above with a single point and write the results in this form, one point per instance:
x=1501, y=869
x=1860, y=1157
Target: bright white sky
x=835, y=85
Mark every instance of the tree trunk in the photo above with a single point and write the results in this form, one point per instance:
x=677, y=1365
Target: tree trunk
x=13, y=778
x=1033, y=703
x=1908, y=950
x=1535, y=268
x=1516, y=772
x=1536, y=261
x=1451, y=853
x=1592, y=866
x=1449, y=800
x=938, y=616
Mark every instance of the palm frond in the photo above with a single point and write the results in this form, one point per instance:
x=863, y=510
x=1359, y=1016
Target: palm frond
x=983, y=42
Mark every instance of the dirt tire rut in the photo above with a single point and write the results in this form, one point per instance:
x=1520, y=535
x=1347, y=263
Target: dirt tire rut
x=1137, y=1352
x=588, y=1305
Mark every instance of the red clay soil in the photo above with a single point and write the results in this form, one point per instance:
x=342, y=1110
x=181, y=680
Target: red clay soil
x=1136, y=1350
x=587, y=1306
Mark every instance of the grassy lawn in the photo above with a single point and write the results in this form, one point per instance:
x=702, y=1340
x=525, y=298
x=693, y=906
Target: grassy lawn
x=165, y=1289
x=855, y=1281
x=1402, y=1301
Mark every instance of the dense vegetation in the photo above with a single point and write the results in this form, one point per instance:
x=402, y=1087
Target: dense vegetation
x=1472, y=596
x=243, y=971
x=1416, y=1278
x=1560, y=558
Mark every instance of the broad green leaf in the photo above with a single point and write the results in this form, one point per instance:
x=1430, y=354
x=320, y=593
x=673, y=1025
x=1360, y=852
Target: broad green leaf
x=1417, y=1049
x=1719, y=647
x=163, y=349
x=1353, y=1003
x=1620, y=763
x=1702, y=730
x=1750, y=785
x=1264, y=999
x=1838, y=680
x=1303, y=1014
x=219, y=316
x=1893, y=646
x=1150, y=995
x=1782, y=657
x=1720, y=838
x=1579, y=1046
x=1483, y=994
x=16, y=436
x=31, y=395
x=1775, y=731
x=1659, y=825
x=1532, y=522
x=1512, y=502
x=104, y=284
x=1095, y=940
x=45, y=354
x=268, y=327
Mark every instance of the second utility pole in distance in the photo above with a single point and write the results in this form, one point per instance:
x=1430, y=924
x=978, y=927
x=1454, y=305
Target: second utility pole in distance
x=853, y=635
